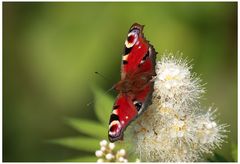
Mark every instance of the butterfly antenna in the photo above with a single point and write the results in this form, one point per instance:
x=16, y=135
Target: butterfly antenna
x=104, y=77
x=110, y=89
x=91, y=102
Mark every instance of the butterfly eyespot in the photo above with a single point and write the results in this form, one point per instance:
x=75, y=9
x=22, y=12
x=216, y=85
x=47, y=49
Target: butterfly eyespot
x=113, y=128
x=138, y=105
x=131, y=40
x=114, y=131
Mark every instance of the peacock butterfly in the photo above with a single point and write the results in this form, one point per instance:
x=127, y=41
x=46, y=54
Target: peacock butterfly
x=136, y=85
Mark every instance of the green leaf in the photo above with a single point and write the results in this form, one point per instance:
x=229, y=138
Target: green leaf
x=217, y=158
x=234, y=152
x=83, y=159
x=88, y=127
x=78, y=143
x=103, y=105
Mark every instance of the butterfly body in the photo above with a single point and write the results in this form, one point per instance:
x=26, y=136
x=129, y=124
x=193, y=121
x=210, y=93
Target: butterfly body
x=136, y=85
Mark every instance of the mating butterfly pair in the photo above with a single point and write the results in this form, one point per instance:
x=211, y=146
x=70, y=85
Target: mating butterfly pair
x=136, y=85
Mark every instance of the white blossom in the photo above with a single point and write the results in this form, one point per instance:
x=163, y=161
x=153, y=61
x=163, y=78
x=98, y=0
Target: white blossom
x=111, y=146
x=100, y=160
x=108, y=154
x=122, y=152
x=125, y=160
x=103, y=148
x=120, y=159
x=175, y=128
x=175, y=83
x=103, y=143
x=99, y=153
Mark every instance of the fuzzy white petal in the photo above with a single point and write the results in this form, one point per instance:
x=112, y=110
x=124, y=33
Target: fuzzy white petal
x=174, y=128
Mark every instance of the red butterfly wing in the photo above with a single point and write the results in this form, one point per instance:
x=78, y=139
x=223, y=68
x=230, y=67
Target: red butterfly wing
x=136, y=86
x=123, y=112
x=126, y=108
x=139, y=56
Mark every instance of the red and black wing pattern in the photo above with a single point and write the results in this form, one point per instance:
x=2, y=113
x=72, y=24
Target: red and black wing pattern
x=136, y=86
x=125, y=110
x=139, y=56
x=121, y=115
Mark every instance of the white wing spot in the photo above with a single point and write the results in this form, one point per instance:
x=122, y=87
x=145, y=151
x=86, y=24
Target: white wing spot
x=125, y=57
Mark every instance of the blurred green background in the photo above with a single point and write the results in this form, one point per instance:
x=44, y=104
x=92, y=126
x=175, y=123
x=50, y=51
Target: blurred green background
x=51, y=51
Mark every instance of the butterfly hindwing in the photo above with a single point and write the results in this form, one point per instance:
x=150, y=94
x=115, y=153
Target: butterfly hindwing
x=123, y=112
x=126, y=108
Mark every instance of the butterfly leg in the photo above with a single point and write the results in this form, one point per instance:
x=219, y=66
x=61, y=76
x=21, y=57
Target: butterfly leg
x=153, y=79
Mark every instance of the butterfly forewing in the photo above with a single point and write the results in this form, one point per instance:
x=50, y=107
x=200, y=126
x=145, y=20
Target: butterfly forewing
x=135, y=49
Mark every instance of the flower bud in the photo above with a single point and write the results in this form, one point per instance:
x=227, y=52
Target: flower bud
x=111, y=146
x=98, y=153
x=103, y=143
x=109, y=156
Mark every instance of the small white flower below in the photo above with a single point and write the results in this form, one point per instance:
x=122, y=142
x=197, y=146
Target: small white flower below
x=108, y=154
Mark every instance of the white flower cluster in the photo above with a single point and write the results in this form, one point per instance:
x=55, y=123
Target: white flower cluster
x=174, y=128
x=107, y=154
